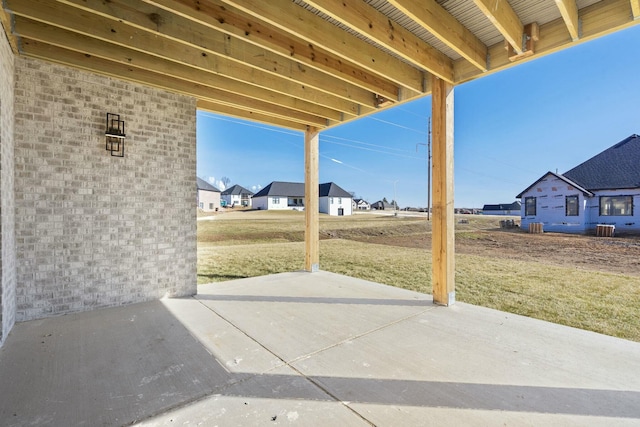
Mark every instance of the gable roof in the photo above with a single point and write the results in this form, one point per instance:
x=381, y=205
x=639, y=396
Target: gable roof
x=563, y=178
x=279, y=188
x=236, y=190
x=204, y=185
x=382, y=203
x=331, y=189
x=503, y=207
x=614, y=168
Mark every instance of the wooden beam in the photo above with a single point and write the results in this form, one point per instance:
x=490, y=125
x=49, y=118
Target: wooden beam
x=504, y=18
x=245, y=114
x=311, y=201
x=433, y=17
x=373, y=24
x=295, y=20
x=218, y=16
x=131, y=37
x=635, y=9
x=569, y=11
x=597, y=20
x=6, y=24
x=261, y=99
x=443, y=233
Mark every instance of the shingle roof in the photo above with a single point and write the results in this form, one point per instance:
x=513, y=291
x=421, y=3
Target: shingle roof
x=331, y=189
x=296, y=189
x=204, y=185
x=616, y=167
x=502, y=207
x=278, y=188
x=236, y=190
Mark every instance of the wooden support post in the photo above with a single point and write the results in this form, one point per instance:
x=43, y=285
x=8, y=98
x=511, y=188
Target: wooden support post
x=443, y=238
x=311, y=201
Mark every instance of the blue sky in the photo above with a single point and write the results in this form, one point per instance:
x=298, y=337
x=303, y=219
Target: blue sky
x=510, y=128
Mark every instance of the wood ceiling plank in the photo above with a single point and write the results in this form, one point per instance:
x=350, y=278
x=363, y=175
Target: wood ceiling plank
x=295, y=20
x=435, y=19
x=177, y=28
x=569, y=11
x=505, y=19
x=126, y=72
x=127, y=36
x=220, y=17
x=227, y=110
x=365, y=19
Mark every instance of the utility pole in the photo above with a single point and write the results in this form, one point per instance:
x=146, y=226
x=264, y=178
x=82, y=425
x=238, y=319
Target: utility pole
x=428, y=145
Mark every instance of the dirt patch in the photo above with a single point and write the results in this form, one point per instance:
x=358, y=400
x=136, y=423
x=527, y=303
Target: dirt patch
x=616, y=255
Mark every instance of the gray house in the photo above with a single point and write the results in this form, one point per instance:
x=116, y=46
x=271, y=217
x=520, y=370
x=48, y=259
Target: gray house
x=278, y=195
x=603, y=190
x=208, y=196
x=237, y=195
x=502, y=209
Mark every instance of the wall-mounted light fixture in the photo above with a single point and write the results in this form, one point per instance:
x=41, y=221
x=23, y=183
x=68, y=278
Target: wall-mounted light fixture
x=115, y=135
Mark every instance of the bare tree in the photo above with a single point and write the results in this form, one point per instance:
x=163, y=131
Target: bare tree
x=225, y=181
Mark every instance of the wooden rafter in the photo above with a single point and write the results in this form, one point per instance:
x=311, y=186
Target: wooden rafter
x=445, y=27
x=503, y=17
x=635, y=8
x=246, y=114
x=314, y=30
x=373, y=24
x=569, y=11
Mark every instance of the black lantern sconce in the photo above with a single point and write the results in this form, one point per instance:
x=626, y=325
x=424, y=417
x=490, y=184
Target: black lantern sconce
x=115, y=135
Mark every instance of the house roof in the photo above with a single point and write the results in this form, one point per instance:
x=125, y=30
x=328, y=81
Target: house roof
x=331, y=189
x=616, y=167
x=502, y=207
x=382, y=203
x=279, y=188
x=236, y=190
x=563, y=178
x=204, y=185
x=296, y=189
x=360, y=201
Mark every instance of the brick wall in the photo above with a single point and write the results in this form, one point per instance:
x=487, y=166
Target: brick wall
x=94, y=230
x=7, y=211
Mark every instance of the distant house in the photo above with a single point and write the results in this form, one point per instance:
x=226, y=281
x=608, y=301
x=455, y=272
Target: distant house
x=237, y=195
x=208, y=196
x=501, y=209
x=603, y=190
x=333, y=200
x=382, y=205
x=360, y=205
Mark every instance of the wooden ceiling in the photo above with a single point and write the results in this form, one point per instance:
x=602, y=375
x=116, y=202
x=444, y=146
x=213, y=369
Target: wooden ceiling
x=301, y=63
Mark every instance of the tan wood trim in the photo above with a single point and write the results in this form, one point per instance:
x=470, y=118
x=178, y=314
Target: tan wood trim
x=445, y=27
x=443, y=237
x=303, y=24
x=635, y=9
x=311, y=200
x=5, y=23
x=569, y=11
x=368, y=21
x=243, y=113
x=224, y=18
x=505, y=19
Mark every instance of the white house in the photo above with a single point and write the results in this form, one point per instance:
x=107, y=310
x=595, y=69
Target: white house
x=603, y=190
x=237, y=195
x=333, y=200
x=208, y=196
x=502, y=209
x=360, y=205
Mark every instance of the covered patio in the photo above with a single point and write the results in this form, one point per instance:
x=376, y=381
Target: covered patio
x=314, y=350
x=100, y=323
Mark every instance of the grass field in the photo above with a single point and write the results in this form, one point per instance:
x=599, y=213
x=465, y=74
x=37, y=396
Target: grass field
x=247, y=244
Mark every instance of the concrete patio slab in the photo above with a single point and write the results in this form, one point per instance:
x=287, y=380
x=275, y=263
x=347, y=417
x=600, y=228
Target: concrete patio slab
x=314, y=350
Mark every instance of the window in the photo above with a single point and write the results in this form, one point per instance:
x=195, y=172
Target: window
x=210, y=205
x=332, y=200
x=339, y=200
x=201, y=205
x=616, y=205
x=530, y=206
x=275, y=200
x=572, y=206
